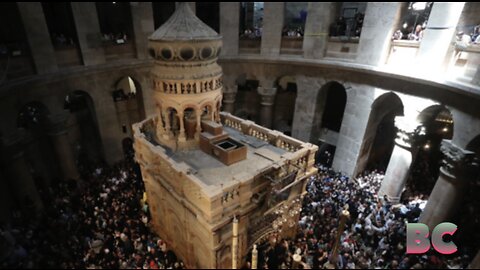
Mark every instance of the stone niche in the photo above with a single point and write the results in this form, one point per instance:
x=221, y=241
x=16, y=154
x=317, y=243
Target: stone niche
x=215, y=142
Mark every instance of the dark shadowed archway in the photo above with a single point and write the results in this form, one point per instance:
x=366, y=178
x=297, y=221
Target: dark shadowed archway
x=379, y=138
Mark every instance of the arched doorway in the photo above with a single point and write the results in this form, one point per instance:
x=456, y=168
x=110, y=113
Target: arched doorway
x=128, y=98
x=33, y=117
x=427, y=157
x=247, y=100
x=285, y=104
x=379, y=138
x=127, y=146
x=83, y=128
x=327, y=121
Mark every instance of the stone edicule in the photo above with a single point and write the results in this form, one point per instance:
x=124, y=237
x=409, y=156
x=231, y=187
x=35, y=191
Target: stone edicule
x=198, y=173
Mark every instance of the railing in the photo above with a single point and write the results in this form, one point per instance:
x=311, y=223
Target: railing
x=68, y=56
x=291, y=45
x=250, y=45
x=402, y=52
x=119, y=51
x=465, y=62
x=233, y=122
x=175, y=87
x=342, y=47
x=273, y=137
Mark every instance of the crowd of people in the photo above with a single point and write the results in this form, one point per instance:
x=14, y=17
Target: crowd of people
x=98, y=222
x=102, y=221
x=374, y=234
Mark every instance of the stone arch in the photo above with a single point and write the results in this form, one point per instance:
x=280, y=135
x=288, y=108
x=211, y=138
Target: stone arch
x=208, y=110
x=224, y=257
x=247, y=97
x=33, y=117
x=128, y=98
x=379, y=138
x=190, y=120
x=329, y=110
x=127, y=146
x=284, y=104
x=83, y=127
x=427, y=157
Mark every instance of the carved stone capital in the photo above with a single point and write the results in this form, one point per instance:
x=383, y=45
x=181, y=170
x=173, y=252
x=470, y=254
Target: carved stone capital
x=409, y=132
x=229, y=97
x=267, y=95
x=458, y=162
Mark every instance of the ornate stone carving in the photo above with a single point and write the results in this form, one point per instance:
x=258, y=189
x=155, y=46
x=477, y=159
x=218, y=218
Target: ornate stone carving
x=458, y=161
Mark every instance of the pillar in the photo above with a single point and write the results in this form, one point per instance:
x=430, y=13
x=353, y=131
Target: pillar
x=229, y=94
x=230, y=27
x=266, y=105
x=198, y=129
x=88, y=31
x=446, y=197
x=181, y=135
x=21, y=181
x=378, y=27
x=191, y=5
x=36, y=158
x=234, y=243
x=143, y=26
x=437, y=36
x=409, y=132
x=38, y=37
x=319, y=17
x=168, y=129
x=59, y=136
x=272, y=28
x=254, y=257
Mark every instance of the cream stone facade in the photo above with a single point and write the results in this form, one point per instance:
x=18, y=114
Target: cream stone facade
x=379, y=77
x=194, y=198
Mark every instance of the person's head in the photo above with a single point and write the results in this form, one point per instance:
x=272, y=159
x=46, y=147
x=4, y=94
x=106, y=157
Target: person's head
x=418, y=28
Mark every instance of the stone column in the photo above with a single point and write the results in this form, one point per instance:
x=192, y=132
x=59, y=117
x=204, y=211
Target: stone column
x=65, y=157
x=438, y=35
x=378, y=27
x=143, y=26
x=266, y=110
x=181, y=135
x=21, y=181
x=319, y=17
x=34, y=154
x=272, y=28
x=198, y=115
x=458, y=168
x=88, y=31
x=229, y=94
x=230, y=27
x=192, y=6
x=168, y=128
x=38, y=36
x=398, y=169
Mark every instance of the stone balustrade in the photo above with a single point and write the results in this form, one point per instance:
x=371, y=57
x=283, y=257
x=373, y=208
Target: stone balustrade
x=185, y=88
